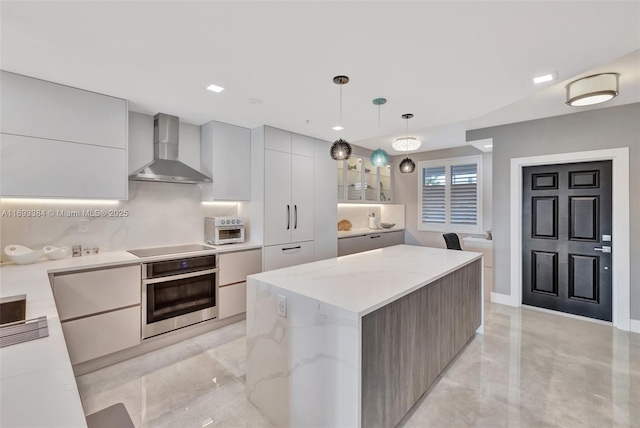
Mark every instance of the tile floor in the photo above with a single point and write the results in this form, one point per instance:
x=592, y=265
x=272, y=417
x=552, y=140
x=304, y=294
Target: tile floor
x=529, y=369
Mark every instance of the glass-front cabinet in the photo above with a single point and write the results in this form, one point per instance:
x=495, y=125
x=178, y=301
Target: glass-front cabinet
x=358, y=180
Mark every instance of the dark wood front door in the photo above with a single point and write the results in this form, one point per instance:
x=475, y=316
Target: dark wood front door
x=565, y=226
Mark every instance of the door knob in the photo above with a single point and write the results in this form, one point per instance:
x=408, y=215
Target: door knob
x=604, y=249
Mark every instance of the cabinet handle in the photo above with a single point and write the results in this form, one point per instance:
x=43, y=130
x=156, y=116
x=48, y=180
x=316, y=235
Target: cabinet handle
x=291, y=248
x=377, y=236
x=288, y=217
x=295, y=210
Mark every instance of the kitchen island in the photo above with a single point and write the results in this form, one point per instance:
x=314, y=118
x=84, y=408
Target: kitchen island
x=357, y=340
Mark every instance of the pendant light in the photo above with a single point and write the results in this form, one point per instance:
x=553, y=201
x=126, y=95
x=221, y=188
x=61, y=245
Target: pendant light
x=379, y=157
x=340, y=149
x=407, y=166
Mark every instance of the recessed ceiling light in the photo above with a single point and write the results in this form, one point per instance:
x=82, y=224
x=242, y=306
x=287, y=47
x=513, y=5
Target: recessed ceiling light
x=215, y=88
x=545, y=78
x=338, y=128
x=488, y=145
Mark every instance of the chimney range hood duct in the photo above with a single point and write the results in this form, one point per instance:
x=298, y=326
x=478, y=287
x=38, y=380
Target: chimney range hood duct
x=165, y=166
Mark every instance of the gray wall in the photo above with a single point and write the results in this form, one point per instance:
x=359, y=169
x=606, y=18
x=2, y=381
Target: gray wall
x=405, y=187
x=591, y=130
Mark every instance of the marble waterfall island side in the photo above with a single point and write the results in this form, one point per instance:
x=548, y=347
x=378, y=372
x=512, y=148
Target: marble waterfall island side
x=363, y=336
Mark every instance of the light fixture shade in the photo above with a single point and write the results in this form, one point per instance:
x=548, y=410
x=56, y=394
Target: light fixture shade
x=406, y=144
x=592, y=90
x=379, y=158
x=340, y=150
x=407, y=166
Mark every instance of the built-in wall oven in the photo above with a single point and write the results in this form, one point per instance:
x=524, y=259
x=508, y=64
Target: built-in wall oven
x=177, y=293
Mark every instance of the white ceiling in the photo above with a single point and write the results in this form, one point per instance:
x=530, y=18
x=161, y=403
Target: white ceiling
x=448, y=63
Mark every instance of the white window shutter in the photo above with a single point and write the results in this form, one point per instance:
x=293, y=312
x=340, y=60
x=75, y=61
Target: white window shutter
x=434, y=195
x=464, y=194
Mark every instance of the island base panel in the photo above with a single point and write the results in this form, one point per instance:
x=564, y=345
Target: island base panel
x=408, y=343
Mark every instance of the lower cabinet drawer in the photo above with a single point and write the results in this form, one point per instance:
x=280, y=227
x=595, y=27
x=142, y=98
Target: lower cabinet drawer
x=85, y=293
x=233, y=300
x=98, y=335
x=371, y=241
x=351, y=245
x=390, y=239
x=282, y=256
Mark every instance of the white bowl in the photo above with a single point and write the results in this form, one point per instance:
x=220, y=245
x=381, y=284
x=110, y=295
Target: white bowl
x=55, y=253
x=22, y=255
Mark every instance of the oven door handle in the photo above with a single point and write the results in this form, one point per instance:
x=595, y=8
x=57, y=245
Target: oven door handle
x=178, y=277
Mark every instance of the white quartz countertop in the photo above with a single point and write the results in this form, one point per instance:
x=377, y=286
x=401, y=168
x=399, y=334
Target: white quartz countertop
x=37, y=384
x=361, y=232
x=364, y=282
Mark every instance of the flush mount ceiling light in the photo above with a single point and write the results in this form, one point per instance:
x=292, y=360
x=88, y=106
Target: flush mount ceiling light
x=340, y=149
x=406, y=144
x=592, y=89
x=215, y=88
x=407, y=166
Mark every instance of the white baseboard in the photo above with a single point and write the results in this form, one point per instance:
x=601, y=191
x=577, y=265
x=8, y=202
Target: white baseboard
x=634, y=326
x=503, y=299
x=567, y=315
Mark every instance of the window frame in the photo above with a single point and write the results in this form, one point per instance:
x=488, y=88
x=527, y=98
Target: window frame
x=447, y=164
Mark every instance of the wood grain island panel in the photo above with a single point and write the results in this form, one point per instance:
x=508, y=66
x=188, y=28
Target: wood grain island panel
x=407, y=343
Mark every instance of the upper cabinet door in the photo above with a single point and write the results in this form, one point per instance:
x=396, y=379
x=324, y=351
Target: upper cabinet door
x=35, y=167
x=225, y=156
x=302, y=145
x=353, y=186
x=277, y=139
x=302, y=197
x=231, y=162
x=41, y=109
x=278, y=209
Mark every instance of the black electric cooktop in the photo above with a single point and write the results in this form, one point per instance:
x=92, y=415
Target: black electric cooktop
x=167, y=251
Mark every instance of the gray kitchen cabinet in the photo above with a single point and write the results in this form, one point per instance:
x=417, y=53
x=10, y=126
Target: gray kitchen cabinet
x=277, y=139
x=325, y=235
x=371, y=241
x=225, y=156
x=389, y=239
x=360, y=181
x=41, y=109
x=99, y=310
x=297, y=202
x=35, y=167
x=61, y=142
x=281, y=256
x=234, y=269
x=289, y=198
x=302, y=145
x=90, y=292
x=103, y=334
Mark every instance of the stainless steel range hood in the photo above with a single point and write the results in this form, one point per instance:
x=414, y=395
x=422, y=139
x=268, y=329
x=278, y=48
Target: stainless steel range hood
x=165, y=166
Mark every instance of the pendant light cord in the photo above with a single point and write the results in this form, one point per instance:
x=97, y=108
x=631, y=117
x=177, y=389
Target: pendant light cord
x=341, y=105
x=407, y=139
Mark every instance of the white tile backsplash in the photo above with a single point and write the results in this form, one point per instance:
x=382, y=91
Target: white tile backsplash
x=158, y=214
